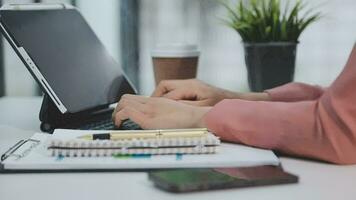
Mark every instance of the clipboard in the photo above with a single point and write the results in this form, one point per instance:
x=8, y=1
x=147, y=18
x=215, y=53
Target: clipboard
x=31, y=156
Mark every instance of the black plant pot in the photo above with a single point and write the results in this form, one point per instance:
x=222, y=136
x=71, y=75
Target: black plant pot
x=269, y=64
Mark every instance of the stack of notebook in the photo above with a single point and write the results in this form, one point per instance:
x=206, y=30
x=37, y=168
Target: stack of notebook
x=143, y=142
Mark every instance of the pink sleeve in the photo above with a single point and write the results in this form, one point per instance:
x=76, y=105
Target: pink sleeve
x=295, y=92
x=323, y=129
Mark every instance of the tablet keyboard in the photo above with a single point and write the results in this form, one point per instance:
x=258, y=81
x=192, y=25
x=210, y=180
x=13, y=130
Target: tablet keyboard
x=108, y=124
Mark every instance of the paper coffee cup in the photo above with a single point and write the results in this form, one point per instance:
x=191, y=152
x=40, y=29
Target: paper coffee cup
x=175, y=61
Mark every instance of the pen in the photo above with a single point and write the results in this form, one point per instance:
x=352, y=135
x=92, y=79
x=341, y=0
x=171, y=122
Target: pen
x=146, y=134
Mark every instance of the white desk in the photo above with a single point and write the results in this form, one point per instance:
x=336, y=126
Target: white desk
x=317, y=180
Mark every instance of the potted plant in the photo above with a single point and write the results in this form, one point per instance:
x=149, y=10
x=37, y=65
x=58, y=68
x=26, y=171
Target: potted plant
x=270, y=36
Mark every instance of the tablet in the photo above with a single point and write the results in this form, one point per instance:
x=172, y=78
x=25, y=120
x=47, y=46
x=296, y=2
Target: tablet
x=64, y=55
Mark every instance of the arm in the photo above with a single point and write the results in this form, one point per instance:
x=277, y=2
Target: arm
x=324, y=128
x=197, y=93
x=293, y=92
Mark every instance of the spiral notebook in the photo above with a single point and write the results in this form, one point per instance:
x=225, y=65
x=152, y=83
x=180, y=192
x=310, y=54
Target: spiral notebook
x=32, y=155
x=71, y=145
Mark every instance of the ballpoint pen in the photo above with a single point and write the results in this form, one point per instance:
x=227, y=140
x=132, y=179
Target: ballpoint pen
x=146, y=134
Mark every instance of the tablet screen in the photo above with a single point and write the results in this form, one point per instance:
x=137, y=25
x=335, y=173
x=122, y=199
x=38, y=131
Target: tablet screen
x=69, y=55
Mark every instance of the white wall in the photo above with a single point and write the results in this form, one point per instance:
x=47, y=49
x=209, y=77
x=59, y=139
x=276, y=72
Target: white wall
x=103, y=17
x=322, y=53
x=17, y=80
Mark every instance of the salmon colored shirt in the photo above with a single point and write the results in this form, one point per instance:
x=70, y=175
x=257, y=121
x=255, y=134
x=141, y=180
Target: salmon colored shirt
x=301, y=120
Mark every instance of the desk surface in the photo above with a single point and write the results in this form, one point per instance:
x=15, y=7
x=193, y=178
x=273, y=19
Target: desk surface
x=317, y=180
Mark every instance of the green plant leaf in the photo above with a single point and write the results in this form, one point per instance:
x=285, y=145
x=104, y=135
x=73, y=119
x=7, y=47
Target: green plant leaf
x=266, y=20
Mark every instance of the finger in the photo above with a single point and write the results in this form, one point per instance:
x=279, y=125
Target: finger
x=180, y=94
x=163, y=87
x=139, y=98
x=131, y=103
x=118, y=107
x=195, y=103
x=120, y=116
x=130, y=113
x=127, y=101
x=114, y=113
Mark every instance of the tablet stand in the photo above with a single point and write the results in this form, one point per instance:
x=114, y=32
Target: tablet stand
x=51, y=118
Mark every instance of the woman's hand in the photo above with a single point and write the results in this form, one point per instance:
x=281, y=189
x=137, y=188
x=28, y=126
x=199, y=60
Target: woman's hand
x=156, y=113
x=193, y=92
x=197, y=93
